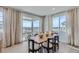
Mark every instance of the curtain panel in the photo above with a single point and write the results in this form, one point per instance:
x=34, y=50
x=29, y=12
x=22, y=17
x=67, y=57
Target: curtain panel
x=71, y=25
x=48, y=23
x=12, y=27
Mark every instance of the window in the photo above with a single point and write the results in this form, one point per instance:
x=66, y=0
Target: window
x=36, y=23
x=30, y=26
x=63, y=23
x=27, y=27
x=27, y=24
x=1, y=21
x=59, y=23
x=55, y=24
x=36, y=26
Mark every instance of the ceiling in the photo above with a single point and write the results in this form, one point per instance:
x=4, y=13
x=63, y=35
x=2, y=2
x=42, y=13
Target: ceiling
x=42, y=10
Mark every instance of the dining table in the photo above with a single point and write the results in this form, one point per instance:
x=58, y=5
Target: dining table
x=40, y=41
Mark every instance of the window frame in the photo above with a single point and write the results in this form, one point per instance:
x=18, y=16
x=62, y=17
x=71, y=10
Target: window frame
x=58, y=21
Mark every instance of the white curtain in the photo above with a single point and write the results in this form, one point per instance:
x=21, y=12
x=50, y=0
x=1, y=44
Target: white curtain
x=48, y=23
x=42, y=23
x=71, y=25
x=12, y=27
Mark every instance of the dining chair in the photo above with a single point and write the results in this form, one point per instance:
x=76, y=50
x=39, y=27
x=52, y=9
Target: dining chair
x=48, y=46
x=33, y=46
x=55, y=42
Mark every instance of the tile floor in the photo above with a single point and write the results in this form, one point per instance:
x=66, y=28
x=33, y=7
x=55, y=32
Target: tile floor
x=23, y=48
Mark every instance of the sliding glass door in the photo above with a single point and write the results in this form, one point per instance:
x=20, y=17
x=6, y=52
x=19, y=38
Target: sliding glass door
x=63, y=23
x=63, y=29
x=59, y=26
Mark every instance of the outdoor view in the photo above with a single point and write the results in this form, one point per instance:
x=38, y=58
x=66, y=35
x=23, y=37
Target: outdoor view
x=30, y=27
x=1, y=21
x=59, y=26
x=59, y=23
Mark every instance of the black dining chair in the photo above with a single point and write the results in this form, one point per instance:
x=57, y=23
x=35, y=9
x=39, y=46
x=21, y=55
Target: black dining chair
x=35, y=34
x=55, y=42
x=33, y=46
x=48, y=46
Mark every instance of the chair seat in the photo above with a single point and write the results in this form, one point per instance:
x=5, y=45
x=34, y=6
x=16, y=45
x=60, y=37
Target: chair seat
x=33, y=46
x=45, y=45
x=36, y=46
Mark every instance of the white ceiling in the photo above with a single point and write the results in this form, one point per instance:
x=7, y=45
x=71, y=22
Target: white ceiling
x=42, y=10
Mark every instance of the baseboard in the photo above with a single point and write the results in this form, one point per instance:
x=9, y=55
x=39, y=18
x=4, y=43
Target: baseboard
x=74, y=47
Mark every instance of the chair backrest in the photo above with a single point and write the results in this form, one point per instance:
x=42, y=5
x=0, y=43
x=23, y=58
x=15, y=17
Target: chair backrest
x=56, y=38
x=49, y=39
x=53, y=40
x=35, y=34
x=31, y=44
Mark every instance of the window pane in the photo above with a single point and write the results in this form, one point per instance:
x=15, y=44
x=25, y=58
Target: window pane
x=36, y=26
x=36, y=23
x=63, y=32
x=27, y=23
x=27, y=28
x=56, y=22
x=1, y=21
x=1, y=14
x=62, y=21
